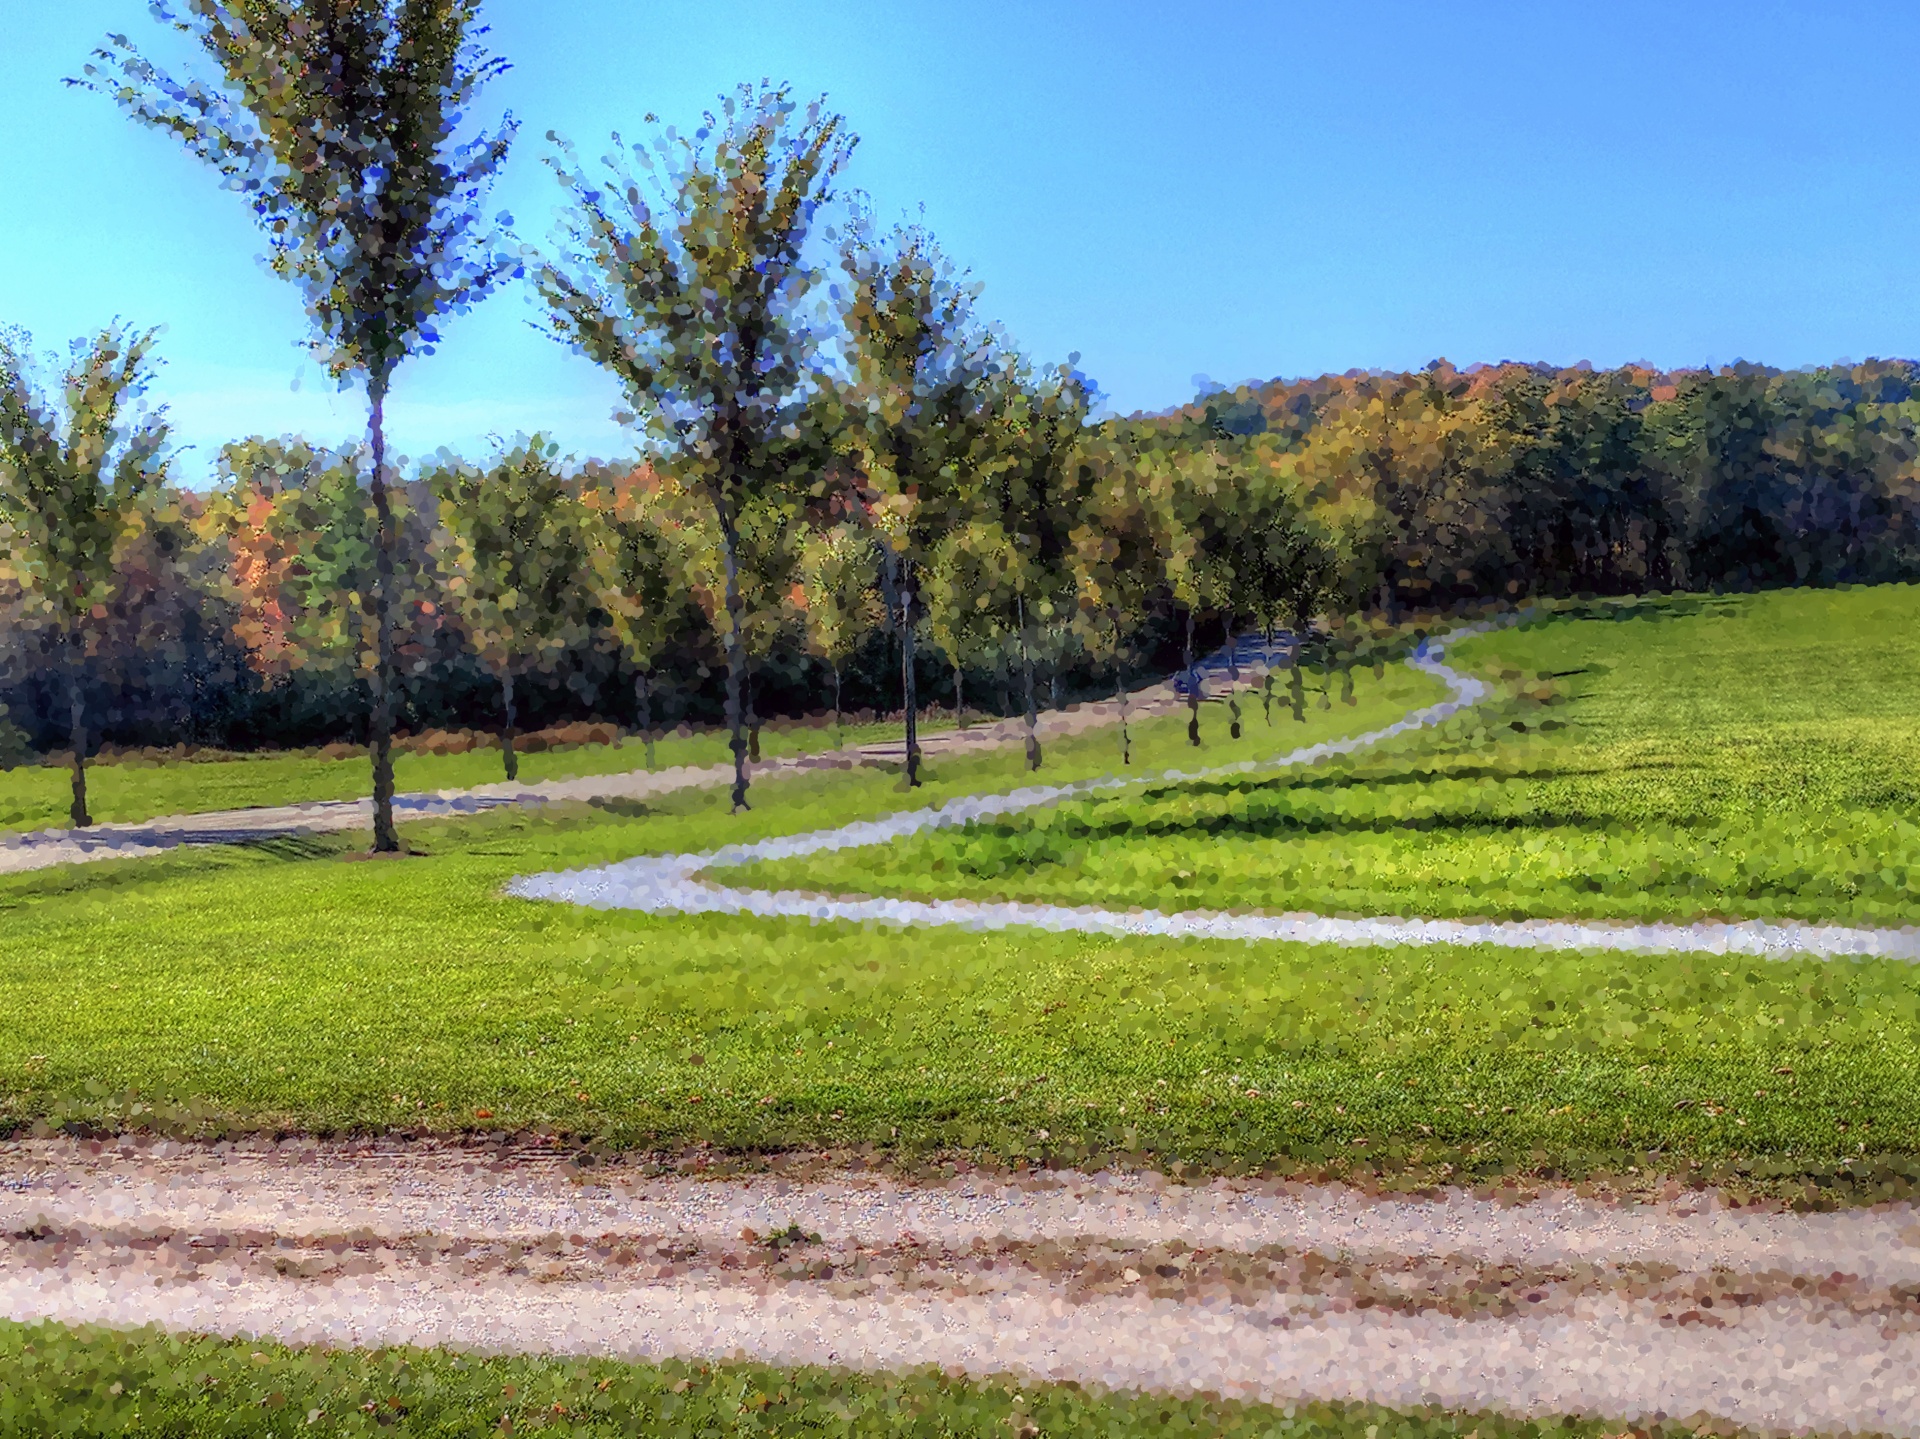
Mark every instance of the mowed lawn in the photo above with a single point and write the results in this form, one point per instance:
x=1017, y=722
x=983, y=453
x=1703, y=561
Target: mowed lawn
x=1738, y=758
x=101, y=1381
x=294, y=988
x=37, y=796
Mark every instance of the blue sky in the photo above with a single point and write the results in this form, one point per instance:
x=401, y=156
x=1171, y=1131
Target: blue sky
x=1229, y=190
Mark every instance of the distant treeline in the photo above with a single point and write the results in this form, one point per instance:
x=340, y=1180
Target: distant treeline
x=1397, y=494
x=1515, y=480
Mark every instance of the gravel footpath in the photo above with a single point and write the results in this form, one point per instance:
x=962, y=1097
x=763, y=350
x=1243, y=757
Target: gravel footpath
x=674, y=884
x=1547, y=1305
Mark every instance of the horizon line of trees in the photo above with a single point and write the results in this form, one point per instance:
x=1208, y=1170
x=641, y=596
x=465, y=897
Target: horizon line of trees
x=834, y=457
x=235, y=617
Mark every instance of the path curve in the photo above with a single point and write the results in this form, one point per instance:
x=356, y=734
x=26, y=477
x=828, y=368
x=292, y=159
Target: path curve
x=674, y=883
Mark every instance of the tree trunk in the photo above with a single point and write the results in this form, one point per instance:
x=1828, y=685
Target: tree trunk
x=1000, y=677
x=1266, y=676
x=896, y=587
x=1053, y=686
x=386, y=838
x=959, y=696
x=753, y=720
x=1120, y=693
x=736, y=652
x=909, y=691
x=1233, y=676
x=1026, y=668
x=506, y=735
x=1296, y=681
x=643, y=691
x=839, y=737
x=77, y=733
x=1193, y=685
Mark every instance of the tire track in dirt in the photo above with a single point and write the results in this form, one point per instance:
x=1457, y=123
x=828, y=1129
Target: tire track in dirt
x=1554, y=1304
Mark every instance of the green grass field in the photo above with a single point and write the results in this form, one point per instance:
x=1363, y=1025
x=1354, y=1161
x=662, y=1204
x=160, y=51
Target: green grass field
x=289, y=987
x=1749, y=759
x=58, y=1380
x=37, y=796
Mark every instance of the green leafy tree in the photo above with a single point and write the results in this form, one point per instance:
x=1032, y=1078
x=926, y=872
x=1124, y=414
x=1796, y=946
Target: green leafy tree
x=840, y=597
x=967, y=590
x=1030, y=488
x=635, y=534
x=74, y=473
x=681, y=272
x=1190, y=504
x=300, y=534
x=339, y=121
x=1116, y=569
x=917, y=369
x=510, y=563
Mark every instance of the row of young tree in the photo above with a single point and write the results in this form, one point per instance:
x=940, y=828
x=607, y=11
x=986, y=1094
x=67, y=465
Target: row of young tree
x=917, y=445
x=830, y=449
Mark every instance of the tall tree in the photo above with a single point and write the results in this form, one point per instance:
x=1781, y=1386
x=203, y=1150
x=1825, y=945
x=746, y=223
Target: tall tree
x=768, y=542
x=968, y=590
x=635, y=541
x=839, y=595
x=510, y=563
x=917, y=368
x=339, y=120
x=1028, y=486
x=73, y=475
x=1116, y=571
x=682, y=273
x=1190, y=507
x=300, y=535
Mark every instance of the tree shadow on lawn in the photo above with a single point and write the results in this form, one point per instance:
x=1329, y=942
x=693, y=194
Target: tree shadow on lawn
x=110, y=876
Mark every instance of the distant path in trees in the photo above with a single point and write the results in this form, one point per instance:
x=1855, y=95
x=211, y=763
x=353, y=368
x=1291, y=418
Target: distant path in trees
x=675, y=883
x=43, y=849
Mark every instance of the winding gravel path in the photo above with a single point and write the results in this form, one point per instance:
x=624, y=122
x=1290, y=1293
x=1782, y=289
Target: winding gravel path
x=674, y=884
x=1552, y=1305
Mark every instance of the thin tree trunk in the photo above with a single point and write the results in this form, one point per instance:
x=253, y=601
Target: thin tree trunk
x=77, y=733
x=1193, y=685
x=1026, y=668
x=959, y=696
x=753, y=720
x=1296, y=681
x=1233, y=677
x=1053, y=686
x=643, y=691
x=1266, y=676
x=386, y=838
x=896, y=588
x=908, y=689
x=839, y=736
x=1120, y=692
x=506, y=735
x=736, y=652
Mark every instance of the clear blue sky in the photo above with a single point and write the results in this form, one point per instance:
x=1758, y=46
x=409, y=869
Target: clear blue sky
x=1234, y=190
